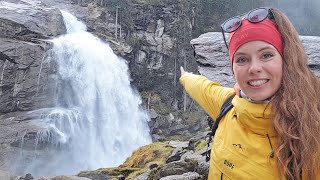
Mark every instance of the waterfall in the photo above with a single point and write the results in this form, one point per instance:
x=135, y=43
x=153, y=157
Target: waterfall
x=98, y=120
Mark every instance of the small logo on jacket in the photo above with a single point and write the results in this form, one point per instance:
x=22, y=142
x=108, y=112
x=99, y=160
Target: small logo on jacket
x=229, y=164
x=238, y=146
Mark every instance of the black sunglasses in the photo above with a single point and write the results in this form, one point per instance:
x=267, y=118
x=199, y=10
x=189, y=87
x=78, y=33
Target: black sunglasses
x=254, y=16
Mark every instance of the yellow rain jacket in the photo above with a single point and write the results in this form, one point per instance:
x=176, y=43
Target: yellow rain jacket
x=243, y=144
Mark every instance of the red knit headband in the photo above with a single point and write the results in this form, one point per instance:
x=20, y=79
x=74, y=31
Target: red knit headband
x=265, y=30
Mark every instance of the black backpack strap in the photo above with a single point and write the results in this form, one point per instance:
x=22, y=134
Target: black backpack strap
x=227, y=105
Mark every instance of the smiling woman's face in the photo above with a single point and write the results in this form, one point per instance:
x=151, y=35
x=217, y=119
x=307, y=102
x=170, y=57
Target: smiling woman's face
x=257, y=67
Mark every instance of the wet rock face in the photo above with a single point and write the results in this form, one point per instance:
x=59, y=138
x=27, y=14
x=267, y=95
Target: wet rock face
x=23, y=66
x=27, y=76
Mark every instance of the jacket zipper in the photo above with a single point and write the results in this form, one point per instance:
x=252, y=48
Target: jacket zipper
x=221, y=176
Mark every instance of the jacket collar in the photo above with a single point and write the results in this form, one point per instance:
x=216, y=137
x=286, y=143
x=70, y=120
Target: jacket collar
x=254, y=117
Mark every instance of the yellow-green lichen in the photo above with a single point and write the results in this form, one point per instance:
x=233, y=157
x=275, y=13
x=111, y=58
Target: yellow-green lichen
x=199, y=145
x=153, y=154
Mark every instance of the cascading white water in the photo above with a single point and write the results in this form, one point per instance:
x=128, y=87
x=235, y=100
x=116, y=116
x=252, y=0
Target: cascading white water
x=98, y=120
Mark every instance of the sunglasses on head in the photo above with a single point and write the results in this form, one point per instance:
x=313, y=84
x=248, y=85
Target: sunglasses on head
x=254, y=16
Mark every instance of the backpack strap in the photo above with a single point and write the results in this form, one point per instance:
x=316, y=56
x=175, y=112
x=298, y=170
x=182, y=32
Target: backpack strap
x=227, y=105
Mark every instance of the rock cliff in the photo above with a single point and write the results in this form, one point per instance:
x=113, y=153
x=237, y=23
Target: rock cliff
x=27, y=81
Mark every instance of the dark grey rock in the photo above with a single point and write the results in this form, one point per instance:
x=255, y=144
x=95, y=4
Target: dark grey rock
x=29, y=19
x=143, y=176
x=178, y=167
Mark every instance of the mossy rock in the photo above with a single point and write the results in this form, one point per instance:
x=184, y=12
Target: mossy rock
x=200, y=144
x=154, y=154
x=117, y=171
x=109, y=172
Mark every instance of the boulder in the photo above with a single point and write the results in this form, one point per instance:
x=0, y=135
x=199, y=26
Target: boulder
x=29, y=19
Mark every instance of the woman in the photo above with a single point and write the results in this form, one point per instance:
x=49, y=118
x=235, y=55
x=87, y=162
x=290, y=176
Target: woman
x=272, y=131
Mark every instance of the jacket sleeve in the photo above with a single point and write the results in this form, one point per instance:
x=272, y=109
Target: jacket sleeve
x=208, y=94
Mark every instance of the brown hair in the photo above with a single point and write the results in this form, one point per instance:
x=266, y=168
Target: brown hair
x=296, y=108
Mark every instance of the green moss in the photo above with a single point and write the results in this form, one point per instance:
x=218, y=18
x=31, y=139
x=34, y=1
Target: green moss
x=84, y=173
x=135, y=42
x=112, y=173
x=117, y=171
x=138, y=163
x=155, y=153
x=161, y=108
x=154, y=174
x=155, y=101
x=199, y=145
